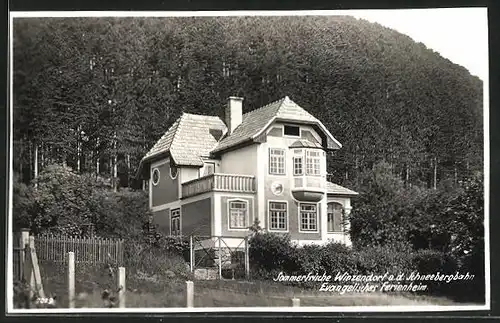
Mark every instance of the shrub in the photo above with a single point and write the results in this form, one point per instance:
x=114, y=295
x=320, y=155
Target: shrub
x=382, y=259
x=335, y=257
x=272, y=253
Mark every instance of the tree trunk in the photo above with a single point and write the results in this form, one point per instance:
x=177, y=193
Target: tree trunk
x=128, y=170
x=21, y=153
x=435, y=174
x=115, y=169
x=456, y=172
x=115, y=174
x=42, y=155
x=78, y=155
x=97, y=159
x=31, y=161
x=36, y=165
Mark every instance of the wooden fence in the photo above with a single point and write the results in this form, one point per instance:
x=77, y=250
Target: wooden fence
x=86, y=249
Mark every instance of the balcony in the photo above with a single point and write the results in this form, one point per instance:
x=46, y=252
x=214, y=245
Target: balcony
x=308, y=188
x=219, y=182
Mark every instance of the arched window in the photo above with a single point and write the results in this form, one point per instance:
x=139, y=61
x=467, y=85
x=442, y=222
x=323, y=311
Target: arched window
x=334, y=214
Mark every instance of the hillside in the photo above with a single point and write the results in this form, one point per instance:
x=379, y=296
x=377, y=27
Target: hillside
x=98, y=92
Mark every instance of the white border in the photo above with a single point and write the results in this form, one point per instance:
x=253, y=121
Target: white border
x=427, y=308
x=269, y=216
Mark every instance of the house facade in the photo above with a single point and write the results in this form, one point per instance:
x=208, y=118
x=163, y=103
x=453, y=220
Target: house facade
x=213, y=177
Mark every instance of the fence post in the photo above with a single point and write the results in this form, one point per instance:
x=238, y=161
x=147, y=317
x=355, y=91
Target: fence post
x=189, y=294
x=220, y=258
x=24, y=240
x=122, y=288
x=191, y=253
x=36, y=277
x=247, y=259
x=296, y=302
x=71, y=279
x=28, y=270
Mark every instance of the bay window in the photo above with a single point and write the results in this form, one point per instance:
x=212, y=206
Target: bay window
x=313, y=163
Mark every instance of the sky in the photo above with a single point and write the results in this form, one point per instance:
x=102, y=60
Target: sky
x=459, y=34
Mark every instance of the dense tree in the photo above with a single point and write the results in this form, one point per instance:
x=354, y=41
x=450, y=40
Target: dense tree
x=97, y=93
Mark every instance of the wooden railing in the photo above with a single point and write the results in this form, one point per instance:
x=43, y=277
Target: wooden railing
x=219, y=182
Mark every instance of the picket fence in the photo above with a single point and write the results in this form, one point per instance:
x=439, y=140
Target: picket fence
x=86, y=249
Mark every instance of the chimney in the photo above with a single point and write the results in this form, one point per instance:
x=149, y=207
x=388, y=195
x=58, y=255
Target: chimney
x=233, y=113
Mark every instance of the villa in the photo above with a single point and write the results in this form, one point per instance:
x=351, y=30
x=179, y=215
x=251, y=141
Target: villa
x=213, y=177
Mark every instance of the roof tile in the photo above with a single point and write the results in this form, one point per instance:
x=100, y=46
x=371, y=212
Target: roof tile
x=189, y=139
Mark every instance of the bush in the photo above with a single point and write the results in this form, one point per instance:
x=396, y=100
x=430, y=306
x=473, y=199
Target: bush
x=379, y=260
x=335, y=257
x=272, y=253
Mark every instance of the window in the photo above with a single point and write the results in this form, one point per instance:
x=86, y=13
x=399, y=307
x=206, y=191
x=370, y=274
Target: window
x=208, y=169
x=173, y=171
x=276, y=161
x=156, y=176
x=334, y=217
x=308, y=217
x=292, y=131
x=278, y=216
x=238, y=212
x=175, y=222
x=297, y=166
x=312, y=163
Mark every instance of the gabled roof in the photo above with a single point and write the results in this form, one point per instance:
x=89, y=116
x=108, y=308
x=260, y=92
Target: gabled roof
x=335, y=189
x=256, y=121
x=193, y=136
x=188, y=139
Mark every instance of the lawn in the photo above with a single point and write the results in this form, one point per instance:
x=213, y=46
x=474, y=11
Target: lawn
x=151, y=291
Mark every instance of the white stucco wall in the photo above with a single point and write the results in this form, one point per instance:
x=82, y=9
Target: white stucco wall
x=242, y=161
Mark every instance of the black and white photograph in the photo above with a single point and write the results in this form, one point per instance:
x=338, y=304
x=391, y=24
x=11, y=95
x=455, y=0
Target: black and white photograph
x=248, y=161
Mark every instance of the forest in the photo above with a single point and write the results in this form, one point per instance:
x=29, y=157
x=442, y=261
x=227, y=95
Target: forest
x=97, y=93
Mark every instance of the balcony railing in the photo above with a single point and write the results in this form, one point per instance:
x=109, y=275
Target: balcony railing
x=219, y=182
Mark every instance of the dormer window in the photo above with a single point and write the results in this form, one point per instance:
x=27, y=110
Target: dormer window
x=292, y=131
